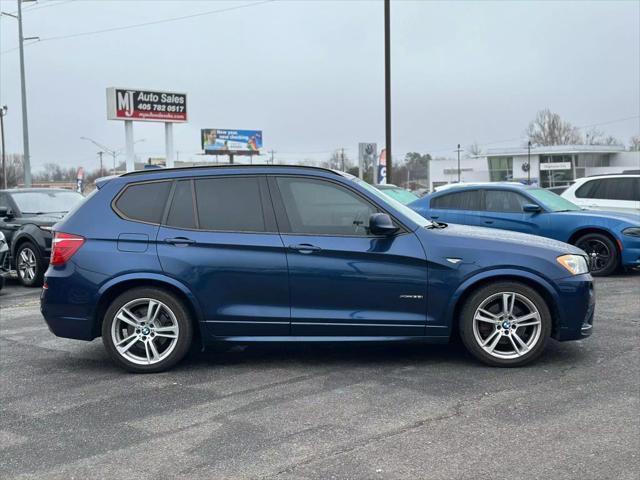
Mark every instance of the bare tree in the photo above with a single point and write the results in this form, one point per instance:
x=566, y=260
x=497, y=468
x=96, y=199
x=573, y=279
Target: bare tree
x=15, y=171
x=474, y=149
x=549, y=129
x=634, y=143
x=336, y=160
x=595, y=136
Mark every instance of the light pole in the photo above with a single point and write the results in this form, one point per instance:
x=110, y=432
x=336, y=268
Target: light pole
x=529, y=163
x=110, y=151
x=3, y=112
x=458, y=150
x=387, y=88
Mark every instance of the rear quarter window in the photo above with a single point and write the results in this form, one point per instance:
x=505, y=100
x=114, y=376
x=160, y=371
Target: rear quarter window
x=143, y=202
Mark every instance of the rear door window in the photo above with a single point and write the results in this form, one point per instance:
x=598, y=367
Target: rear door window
x=230, y=204
x=467, y=200
x=181, y=213
x=143, y=202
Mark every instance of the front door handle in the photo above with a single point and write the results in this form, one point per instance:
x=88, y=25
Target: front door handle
x=488, y=222
x=305, y=248
x=179, y=241
x=435, y=217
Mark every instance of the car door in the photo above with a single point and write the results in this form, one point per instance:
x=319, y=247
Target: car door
x=219, y=237
x=7, y=226
x=504, y=209
x=456, y=207
x=343, y=280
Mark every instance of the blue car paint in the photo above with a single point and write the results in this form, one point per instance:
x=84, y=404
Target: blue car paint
x=252, y=287
x=562, y=226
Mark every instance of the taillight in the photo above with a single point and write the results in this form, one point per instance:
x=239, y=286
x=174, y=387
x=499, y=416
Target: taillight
x=63, y=247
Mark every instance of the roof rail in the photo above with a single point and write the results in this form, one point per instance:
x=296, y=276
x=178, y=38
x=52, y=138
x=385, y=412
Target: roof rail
x=238, y=165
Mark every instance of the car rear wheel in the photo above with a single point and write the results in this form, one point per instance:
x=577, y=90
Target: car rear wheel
x=603, y=254
x=147, y=330
x=29, y=265
x=506, y=324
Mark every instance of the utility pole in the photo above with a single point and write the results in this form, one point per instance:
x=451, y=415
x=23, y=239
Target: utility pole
x=3, y=112
x=387, y=87
x=529, y=162
x=342, y=158
x=459, y=150
x=271, y=152
x=100, y=156
x=25, y=123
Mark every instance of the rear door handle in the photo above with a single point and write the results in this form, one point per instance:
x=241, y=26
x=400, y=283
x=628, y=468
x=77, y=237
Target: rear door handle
x=179, y=241
x=488, y=222
x=305, y=248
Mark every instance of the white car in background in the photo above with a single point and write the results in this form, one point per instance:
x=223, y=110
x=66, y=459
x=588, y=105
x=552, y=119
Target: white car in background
x=620, y=192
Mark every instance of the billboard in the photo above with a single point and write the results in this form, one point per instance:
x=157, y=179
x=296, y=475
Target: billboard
x=146, y=105
x=217, y=140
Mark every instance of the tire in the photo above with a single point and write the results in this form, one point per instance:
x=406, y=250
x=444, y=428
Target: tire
x=141, y=346
x=503, y=328
x=597, y=245
x=30, y=265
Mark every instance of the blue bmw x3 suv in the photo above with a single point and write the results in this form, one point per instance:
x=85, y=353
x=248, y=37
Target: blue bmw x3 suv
x=158, y=261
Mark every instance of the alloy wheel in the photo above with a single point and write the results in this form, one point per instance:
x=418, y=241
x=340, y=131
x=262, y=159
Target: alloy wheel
x=507, y=325
x=598, y=251
x=27, y=264
x=145, y=331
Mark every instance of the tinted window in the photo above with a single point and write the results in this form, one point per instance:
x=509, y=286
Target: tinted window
x=324, y=208
x=467, y=200
x=144, y=202
x=503, y=201
x=181, y=213
x=611, y=189
x=230, y=204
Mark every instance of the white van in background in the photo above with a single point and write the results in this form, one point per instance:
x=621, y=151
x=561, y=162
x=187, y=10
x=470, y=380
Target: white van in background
x=620, y=192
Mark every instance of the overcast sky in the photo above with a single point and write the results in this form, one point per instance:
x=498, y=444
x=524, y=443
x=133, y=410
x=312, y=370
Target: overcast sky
x=310, y=73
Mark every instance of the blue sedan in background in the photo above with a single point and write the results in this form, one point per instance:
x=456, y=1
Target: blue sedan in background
x=611, y=239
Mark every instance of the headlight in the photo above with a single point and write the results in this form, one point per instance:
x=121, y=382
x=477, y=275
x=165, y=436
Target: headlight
x=632, y=231
x=576, y=264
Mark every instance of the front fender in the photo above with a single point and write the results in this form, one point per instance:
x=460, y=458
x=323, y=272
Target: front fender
x=500, y=273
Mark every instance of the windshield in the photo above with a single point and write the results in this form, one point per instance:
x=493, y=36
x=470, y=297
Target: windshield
x=406, y=211
x=39, y=202
x=405, y=197
x=553, y=202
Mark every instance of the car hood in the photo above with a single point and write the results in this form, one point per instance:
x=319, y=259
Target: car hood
x=626, y=217
x=507, y=237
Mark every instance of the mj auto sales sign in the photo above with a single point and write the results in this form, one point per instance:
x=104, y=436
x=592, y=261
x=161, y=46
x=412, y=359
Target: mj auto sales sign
x=146, y=105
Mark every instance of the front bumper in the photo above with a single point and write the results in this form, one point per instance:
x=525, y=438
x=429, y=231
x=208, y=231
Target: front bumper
x=576, y=305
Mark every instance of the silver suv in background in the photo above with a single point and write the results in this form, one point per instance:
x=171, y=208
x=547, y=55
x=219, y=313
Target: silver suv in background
x=620, y=192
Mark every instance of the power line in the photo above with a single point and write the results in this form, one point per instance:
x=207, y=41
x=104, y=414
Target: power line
x=147, y=24
x=43, y=5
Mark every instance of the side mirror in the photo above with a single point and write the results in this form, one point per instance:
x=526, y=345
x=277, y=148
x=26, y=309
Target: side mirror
x=532, y=208
x=6, y=212
x=381, y=224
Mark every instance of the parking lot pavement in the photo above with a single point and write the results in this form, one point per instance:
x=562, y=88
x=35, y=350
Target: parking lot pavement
x=322, y=411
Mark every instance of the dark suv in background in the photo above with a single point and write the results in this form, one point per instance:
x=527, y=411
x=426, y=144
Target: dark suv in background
x=26, y=218
x=288, y=254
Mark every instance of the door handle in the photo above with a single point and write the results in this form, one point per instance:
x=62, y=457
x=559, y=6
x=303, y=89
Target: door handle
x=435, y=217
x=305, y=248
x=179, y=241
x=488, y=222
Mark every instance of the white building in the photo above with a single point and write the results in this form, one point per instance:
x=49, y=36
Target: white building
x=554, y=166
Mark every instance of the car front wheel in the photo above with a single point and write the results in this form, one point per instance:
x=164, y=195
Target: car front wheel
x=506, y=324
x=603, y=254
x=146, y=330
x=29, y=265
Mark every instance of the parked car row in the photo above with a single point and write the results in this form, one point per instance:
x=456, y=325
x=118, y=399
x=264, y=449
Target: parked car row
x=245, y=254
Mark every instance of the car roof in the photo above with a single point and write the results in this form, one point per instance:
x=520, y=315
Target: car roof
x=629, y=174
x=483, y=186
x=242, y=167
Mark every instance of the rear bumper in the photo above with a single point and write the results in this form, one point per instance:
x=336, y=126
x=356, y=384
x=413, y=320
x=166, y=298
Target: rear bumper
x=575, y=307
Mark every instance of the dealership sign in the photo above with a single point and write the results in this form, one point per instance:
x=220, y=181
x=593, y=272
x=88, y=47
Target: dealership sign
x=217, y=140
x=556, y=166
x=146, y=105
